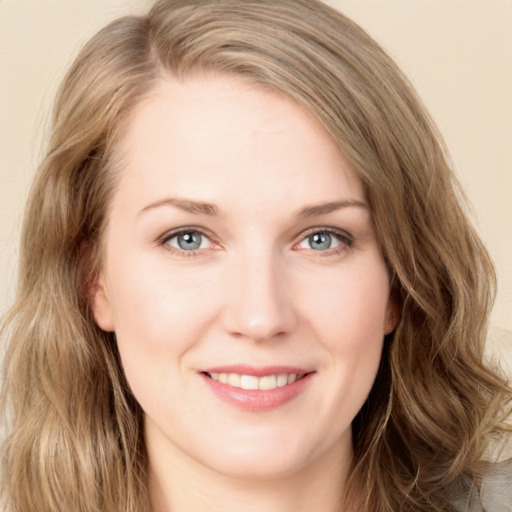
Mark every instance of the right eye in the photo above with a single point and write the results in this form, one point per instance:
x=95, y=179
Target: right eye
x=188, y=241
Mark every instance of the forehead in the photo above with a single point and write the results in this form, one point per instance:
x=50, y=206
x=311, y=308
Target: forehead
x=220, y=137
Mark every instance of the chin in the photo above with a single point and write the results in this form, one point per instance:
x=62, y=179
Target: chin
x=263, y=468
x=272, y=459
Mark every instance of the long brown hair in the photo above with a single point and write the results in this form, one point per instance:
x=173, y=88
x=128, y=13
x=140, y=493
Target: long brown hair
x=75, y=440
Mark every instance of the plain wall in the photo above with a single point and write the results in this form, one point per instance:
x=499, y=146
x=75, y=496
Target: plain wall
x=457, y=53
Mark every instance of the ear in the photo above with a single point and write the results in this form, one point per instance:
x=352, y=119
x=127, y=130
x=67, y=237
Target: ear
x=100, y=304
x=392, y=317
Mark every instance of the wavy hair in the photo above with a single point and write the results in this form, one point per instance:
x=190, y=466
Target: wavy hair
x=75, y=439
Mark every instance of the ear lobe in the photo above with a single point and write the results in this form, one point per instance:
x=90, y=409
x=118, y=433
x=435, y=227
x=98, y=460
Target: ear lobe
x=100, y=304
x=392, y=317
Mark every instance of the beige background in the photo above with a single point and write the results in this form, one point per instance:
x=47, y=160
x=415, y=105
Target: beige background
x=458, y=54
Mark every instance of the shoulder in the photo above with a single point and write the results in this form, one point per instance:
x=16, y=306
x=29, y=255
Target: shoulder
x=494, y=495
x=496, y=492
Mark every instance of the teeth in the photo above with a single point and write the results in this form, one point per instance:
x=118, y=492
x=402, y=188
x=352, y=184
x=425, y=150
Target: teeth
x=252, y=382
x=282, y=380
x=248, y=382
x=267, y=382
x=234, y=380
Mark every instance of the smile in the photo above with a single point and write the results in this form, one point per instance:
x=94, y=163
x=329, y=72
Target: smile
x=257, y=389
x=252, y=382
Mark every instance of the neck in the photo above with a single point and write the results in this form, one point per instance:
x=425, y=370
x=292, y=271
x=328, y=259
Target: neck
x=180, y=484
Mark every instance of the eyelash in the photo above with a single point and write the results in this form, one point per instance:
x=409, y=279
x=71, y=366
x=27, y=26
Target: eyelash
x=345, y=239
x=164, y=241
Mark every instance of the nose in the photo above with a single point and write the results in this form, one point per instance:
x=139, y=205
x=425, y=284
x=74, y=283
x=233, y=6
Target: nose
x=258, y=303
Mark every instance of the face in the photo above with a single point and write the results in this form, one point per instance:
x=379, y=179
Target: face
x=243, y=279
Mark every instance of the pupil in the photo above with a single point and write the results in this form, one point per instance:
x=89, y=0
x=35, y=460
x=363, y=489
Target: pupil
x=320, y=241
x=189, y=241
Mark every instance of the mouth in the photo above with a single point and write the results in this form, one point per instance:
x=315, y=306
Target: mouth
x=254, y=389
x=253, y=382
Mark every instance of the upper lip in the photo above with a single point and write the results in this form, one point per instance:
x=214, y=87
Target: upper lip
x=262, y=371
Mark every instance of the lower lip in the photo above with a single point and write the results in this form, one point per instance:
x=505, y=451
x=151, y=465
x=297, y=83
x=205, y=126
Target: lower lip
x=256, y=399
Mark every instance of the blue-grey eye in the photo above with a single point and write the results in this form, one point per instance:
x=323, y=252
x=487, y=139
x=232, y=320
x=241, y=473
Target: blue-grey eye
x=320, y=241
x=188, y=241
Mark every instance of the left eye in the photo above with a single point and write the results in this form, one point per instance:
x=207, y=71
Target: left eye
x=188, y=241
x=321, y=241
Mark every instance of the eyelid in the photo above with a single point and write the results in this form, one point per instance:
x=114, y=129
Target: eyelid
x=163, y=239
x=345, y=238
x=184, y=229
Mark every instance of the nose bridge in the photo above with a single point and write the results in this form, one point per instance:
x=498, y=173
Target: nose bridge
x=257, y=301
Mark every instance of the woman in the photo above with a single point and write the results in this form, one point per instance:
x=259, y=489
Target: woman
x=255, y=285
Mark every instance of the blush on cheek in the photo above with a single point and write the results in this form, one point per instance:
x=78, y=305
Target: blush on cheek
x=358, y=318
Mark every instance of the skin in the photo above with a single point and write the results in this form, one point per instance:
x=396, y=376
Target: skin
x=257, y=291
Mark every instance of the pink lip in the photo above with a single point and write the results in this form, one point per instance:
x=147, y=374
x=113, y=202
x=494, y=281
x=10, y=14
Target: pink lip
x=257, y=400
x=243, y=369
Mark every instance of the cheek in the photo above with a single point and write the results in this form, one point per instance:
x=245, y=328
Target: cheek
x=344, y=311
x=161, y=314
x=348, y=312
x=349, y=306
x=157, y=319
x=153, y=304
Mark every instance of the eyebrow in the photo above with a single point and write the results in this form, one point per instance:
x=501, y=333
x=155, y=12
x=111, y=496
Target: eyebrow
x=202, y=208
x=196, y=207
x=325, y=208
